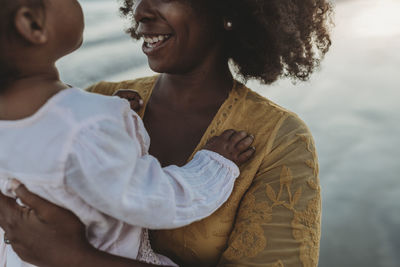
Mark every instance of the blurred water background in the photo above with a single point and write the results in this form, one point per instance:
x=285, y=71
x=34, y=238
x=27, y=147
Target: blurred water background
x=351, y=105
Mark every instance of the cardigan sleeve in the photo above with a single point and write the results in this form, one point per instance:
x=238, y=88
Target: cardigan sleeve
x=278, y=222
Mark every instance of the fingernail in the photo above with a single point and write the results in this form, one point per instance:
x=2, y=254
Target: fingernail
x=251, y=136
x=12, y=187
x=19, y=202
x=141, y=102
x=15, y=184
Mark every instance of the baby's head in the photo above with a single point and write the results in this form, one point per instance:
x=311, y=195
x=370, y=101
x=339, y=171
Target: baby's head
x=35, y=34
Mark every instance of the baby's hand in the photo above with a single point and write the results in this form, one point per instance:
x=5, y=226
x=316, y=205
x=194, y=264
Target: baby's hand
x=132, y=96
x=235, y=146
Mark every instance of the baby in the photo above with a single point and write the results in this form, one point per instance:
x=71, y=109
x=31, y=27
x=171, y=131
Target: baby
x=89, y=153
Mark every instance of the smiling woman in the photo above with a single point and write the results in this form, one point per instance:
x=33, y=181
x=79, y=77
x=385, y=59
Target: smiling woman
x=266, y=216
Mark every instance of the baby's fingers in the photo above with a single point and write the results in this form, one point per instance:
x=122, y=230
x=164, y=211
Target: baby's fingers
x=246, y=155
x=245, y=143
x=136, y=104
x=237, y=137
x=126, y=93
x=132, y=96
x=227, y=134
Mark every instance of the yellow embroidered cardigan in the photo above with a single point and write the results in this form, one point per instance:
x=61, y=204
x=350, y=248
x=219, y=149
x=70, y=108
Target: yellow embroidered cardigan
x=273, y=215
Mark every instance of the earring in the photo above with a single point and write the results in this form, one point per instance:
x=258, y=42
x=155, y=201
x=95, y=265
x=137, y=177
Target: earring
x=228, y=24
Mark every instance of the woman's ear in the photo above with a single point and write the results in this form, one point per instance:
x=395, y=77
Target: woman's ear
x=30, y=24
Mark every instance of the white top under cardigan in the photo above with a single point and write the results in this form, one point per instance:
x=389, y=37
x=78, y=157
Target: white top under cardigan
x=89, y=154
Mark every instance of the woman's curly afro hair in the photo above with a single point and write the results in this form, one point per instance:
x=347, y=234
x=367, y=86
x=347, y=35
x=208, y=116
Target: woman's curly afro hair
x=269, y=38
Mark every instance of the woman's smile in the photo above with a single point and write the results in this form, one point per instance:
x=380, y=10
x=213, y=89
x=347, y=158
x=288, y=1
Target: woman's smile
x=154, y=42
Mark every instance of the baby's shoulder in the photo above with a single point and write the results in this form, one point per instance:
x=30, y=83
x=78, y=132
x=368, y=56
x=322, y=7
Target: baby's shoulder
x=142, y=85
x=82, y=107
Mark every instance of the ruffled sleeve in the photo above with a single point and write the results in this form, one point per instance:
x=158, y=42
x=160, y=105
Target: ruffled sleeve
x=278, y=222
x=109, y=170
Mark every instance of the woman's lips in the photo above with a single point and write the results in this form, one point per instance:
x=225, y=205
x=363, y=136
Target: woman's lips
x=154, y=42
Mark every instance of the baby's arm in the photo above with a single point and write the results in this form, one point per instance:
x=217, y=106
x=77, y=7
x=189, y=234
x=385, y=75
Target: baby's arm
x=107, y=169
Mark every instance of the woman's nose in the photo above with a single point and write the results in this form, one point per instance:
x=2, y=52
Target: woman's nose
x=143, y=10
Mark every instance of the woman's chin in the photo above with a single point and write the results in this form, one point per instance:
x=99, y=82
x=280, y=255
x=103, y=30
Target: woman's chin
x=156, y=70
x=157, y=67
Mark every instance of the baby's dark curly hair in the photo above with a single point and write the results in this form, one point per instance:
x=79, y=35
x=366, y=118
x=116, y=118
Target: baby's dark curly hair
x=269, y=38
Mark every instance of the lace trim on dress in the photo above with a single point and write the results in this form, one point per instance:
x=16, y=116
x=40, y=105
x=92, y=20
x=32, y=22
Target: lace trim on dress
x=146, y=253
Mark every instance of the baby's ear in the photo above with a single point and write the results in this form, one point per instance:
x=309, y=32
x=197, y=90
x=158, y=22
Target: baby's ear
x=30, y=24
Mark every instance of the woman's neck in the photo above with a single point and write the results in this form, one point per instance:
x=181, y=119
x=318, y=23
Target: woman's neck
x=195, y=89
x=30, y=91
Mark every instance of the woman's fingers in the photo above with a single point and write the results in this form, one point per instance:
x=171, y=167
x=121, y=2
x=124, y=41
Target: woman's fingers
x=4, y=203
x=50, y=213
x=28, y=198
x=38, y=204
x=43, y=209
x=8, y=207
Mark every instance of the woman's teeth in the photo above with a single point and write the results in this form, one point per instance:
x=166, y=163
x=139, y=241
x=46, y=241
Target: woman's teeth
x=152, y=41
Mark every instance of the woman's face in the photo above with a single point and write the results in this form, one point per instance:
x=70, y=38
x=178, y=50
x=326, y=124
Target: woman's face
x=177, y=39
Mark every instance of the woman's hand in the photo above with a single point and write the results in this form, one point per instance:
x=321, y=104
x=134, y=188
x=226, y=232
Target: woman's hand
x=49, y=236
x=44, y=234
